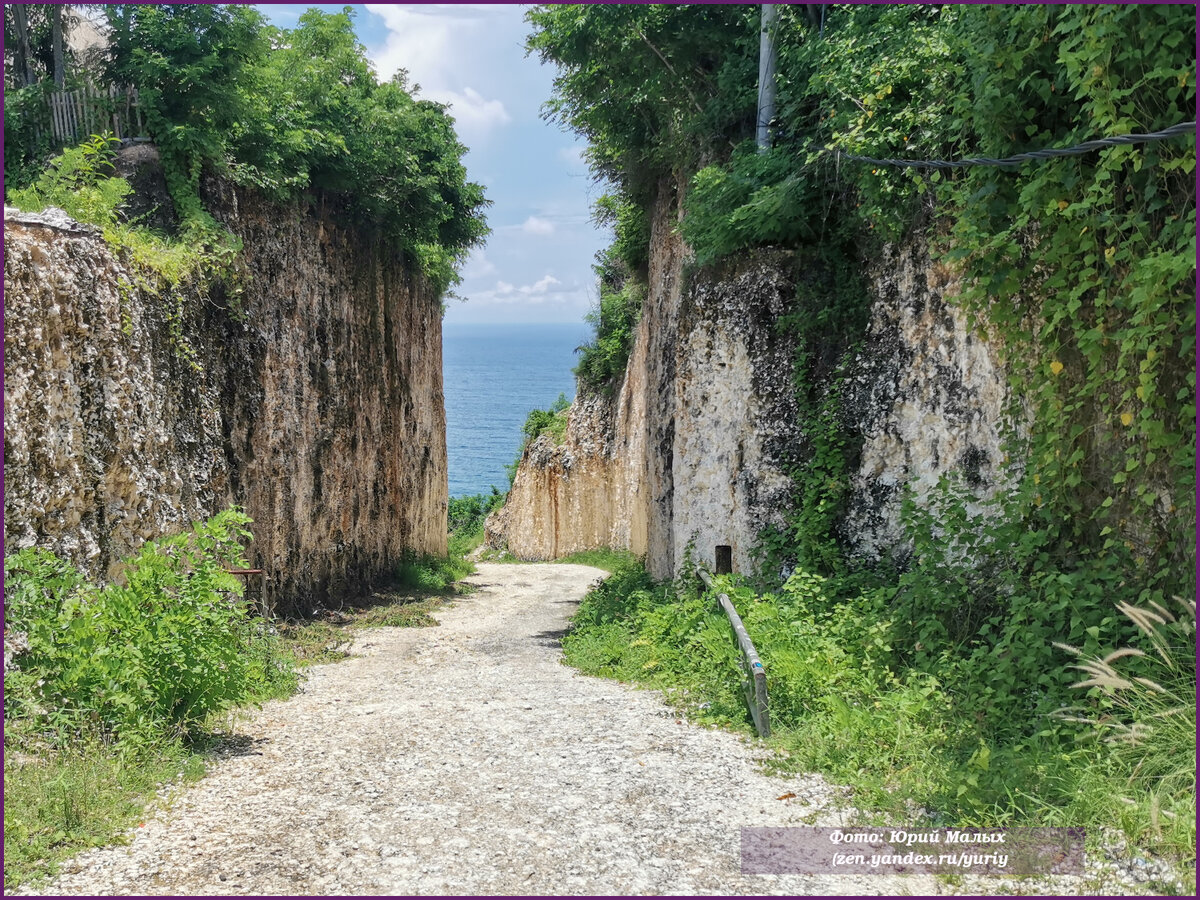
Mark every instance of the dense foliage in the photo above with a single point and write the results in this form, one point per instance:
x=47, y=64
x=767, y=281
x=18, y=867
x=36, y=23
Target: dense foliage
x=1079, y=271
x=840, y=704
x=603, y=358
x=142, y=658
x=292, y=112
x=468, y=513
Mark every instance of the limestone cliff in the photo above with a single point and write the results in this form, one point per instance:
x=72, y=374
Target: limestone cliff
x=313, y=399
x=698, y=443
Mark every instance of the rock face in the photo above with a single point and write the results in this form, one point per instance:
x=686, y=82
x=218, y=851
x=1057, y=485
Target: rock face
x=697, y=445
x=313, y=400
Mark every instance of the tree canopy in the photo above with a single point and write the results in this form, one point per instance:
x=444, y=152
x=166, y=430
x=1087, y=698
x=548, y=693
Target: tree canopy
x=296, y=110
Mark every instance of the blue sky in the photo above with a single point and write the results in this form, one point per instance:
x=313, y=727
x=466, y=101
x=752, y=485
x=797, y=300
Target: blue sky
x=537, y=264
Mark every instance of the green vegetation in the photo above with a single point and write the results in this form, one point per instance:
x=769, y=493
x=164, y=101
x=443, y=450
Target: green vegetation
x=113, y=688
x=466, y=517
x=611, y=561
x=432, y=573
x=117, y=689
x=143, y=659
x=843, y=703
x=294, y=113
x=552, y=421
x=293, y=110
x=603, y=359
x=1079, y=270
x=201, y=259
x=57, y=804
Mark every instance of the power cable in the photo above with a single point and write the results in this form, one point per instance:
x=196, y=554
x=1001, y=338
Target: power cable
x=1032, y=155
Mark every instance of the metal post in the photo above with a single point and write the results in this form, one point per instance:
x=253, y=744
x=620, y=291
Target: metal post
x=723, y=563
x=766, y=75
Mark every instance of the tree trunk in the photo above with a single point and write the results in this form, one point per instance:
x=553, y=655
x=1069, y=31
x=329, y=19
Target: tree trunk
x=24, y=54
x=56, y=43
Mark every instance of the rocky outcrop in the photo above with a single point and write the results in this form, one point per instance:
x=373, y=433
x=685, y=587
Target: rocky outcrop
x=310, y=394
x=584, y=493
x=714, y=373
x=927, y=396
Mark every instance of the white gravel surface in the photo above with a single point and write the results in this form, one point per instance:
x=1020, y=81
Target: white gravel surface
x=467, y=759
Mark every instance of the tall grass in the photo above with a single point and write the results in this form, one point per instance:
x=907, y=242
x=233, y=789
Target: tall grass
x=111, y=688
x=1143, y=708
x=57, y=803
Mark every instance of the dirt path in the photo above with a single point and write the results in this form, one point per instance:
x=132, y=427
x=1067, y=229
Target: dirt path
x=466, y=759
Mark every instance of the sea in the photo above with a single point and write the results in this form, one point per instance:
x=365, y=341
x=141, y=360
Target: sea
x=494, y=375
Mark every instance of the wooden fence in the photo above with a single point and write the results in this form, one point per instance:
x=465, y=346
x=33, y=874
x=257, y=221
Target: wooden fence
x=754, y=676
x=91, y=110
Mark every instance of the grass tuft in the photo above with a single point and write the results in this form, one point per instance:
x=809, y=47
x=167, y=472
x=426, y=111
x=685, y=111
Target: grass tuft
x=57, y=803
x=610, y=561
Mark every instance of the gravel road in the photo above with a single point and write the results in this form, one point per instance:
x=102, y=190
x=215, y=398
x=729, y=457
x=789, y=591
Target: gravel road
x=467, y=759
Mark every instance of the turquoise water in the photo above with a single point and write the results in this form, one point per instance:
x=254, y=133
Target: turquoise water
x=494, y=375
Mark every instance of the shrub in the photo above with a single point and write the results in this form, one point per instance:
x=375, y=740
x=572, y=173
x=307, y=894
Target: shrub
x=435, y=574
x=150, y=655
x=80, y=181
x=603, y=359
x=552, y=421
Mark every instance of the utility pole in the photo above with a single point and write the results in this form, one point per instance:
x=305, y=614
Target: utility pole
x=766, y=76
x=56, y=44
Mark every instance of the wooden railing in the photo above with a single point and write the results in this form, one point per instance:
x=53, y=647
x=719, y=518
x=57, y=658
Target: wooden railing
x=93, y=110
x=754, y=676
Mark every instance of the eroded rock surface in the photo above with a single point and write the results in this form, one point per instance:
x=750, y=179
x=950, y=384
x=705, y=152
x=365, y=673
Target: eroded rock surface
x=704, y=431
x=313, y=398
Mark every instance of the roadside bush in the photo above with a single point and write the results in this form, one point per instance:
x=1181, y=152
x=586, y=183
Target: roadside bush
x=602, y=360
x=435, y=574
x=149, y=656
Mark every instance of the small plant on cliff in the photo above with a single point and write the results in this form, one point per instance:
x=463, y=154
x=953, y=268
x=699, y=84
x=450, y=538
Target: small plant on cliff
x=602, y=360
x=552, y=421
x=80, y=181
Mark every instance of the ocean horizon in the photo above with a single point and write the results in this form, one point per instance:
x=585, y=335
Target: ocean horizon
x=494, y=375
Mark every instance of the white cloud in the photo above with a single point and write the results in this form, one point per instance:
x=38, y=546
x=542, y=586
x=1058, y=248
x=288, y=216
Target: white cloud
x=534, y=225
x=478, y=265
x=541, y=286
x=545, y=289
x=472, y=112
x=428, y=43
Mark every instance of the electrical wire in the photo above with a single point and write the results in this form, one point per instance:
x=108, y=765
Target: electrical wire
x=1032, y=155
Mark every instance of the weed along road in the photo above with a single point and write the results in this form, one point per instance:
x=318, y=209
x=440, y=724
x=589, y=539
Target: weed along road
x=465, y=759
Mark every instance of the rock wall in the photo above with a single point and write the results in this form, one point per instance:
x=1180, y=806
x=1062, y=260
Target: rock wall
x=713, y=375
x=927, y=396
x=313, y=400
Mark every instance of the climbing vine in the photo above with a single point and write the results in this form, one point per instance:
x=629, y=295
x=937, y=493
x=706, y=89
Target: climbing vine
x=1078, y=271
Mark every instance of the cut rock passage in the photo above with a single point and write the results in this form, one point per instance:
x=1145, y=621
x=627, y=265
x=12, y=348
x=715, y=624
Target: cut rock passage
x=468, y=759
